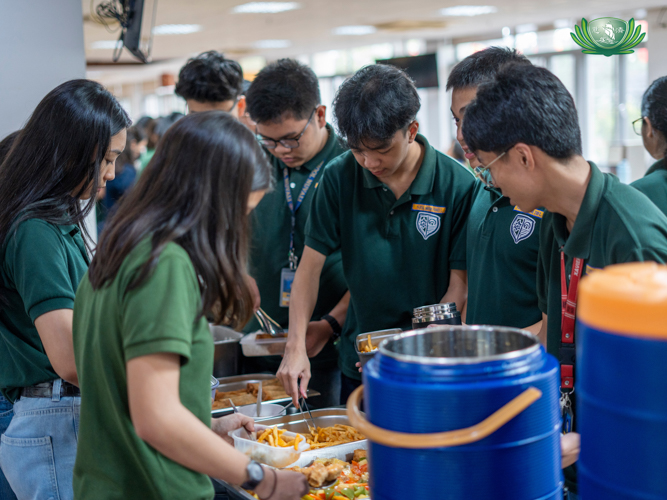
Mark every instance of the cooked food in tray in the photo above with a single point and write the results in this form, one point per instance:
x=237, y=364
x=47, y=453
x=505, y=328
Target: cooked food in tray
x=323, y=437
x=351, y=478
x=271, y=389
x=367, y=346
x=274, y=437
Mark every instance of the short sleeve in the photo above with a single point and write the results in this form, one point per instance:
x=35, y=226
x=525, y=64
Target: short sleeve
x=159, y=316
x=323, y=225
x=460, y=213
x=36, y=262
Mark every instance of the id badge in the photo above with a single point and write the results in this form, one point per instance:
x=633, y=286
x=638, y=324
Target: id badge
x=286, y=279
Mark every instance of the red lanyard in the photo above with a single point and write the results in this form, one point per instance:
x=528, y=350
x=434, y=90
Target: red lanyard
x=569, y=297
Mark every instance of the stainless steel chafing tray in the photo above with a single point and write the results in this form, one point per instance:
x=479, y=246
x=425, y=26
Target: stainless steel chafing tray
x=326, y=417
x=238, y=382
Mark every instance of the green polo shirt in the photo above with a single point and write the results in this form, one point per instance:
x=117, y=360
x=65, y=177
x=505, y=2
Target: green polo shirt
x=654, y=184
x=397, y=254
x=269, y=251
x=113, y=325
x=42, y=265
x=615, y=224
x=501, y=255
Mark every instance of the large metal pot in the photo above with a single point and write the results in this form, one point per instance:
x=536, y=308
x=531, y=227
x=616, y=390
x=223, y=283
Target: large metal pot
x=227, y=351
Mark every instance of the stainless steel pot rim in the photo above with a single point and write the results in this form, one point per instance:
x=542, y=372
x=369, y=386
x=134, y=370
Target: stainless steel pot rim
x=451, y=361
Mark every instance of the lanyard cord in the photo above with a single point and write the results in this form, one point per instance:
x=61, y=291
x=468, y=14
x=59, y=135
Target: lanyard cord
x=293, y=208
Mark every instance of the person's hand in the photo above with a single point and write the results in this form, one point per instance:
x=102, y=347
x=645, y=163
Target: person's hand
x=254, y=290
x=295, y=366
x=570, y=445
x=358, y=365
x=282, y=485
x=317, y=336
x=223, y=425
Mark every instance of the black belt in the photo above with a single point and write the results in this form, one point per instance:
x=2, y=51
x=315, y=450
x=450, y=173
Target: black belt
x=45, y=390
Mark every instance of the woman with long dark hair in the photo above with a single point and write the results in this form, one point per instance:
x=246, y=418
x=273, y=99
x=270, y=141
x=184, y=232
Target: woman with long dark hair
x=172, y=256
x=63, y=155
x=654, y=135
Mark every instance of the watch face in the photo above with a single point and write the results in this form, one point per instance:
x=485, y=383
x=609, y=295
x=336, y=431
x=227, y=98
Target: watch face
x=255, y=473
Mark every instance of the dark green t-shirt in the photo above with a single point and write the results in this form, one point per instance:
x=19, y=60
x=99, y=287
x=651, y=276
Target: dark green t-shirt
x=654, y=184
x=269, y=250
x=397, y=254
x=501, y=255
x=42, y=266
x=615, y=224
x=113, y=325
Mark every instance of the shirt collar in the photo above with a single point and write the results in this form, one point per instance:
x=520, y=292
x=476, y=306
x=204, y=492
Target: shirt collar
x=70, y=229
x=658, y=165
x=423, y=182
x=578, y=242
x=325, y=153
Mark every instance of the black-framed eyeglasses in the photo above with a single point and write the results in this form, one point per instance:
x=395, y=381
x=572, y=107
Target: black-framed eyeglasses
x=637, y=125
x=483, y=172
x=291, y=143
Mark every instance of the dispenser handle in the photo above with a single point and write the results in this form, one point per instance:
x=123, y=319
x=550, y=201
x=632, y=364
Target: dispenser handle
x=458, y=437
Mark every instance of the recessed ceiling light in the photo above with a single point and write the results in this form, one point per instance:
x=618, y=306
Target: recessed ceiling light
x=176, y=29
x=468, y=10
x=104, y=44
x=355, y=30
x=272, y=44
x=265, y=7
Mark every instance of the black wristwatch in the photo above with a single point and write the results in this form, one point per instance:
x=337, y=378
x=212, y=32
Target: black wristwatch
x=255, y=475
x=335, y=326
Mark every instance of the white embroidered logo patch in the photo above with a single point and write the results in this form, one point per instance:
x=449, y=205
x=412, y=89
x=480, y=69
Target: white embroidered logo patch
x=427, y=224
x=522, y=227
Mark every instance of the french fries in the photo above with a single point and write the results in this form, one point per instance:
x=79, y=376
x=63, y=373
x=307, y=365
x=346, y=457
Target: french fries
x=275, y=437
x=369, y=347
x=323, y=437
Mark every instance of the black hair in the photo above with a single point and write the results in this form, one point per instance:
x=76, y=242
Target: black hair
x=56, y=157
x=482, y=66
x=526, y=104
x=6, y=144
x=210, y=77
x=194, y=192
x=654, y=106
x=134, y=134
x=144, y=123
x=163, y=123
x=374, y=104
x=283, y=88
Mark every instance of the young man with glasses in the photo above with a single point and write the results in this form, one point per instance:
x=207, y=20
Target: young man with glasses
x=502, y=240
x=524, y=130
x=284, y=102
x=211, y=82
x=395, y=207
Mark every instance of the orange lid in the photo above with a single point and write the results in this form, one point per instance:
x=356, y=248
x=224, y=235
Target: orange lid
x=629, y=299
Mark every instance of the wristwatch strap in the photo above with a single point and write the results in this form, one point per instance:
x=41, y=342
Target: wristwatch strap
x=335, y=326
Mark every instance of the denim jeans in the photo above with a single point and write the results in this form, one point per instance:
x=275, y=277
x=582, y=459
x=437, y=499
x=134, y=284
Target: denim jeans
x=6, y=414
x=38, y=450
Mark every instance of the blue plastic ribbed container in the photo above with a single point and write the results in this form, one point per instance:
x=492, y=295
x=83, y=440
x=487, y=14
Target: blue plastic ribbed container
x=622, y=412
x=449, y=378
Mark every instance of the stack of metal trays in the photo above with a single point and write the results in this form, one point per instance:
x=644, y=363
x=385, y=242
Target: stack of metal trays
x=239, y=382
x=295, y=423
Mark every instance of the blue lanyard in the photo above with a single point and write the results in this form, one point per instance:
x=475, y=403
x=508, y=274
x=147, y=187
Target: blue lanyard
x=293, y=208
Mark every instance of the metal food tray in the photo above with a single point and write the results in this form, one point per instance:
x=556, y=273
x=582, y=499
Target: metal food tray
x=238, y=382
x=326, y=417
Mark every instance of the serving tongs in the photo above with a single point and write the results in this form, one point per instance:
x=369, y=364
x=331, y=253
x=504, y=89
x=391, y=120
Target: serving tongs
x=302, y=404
x=268, y=324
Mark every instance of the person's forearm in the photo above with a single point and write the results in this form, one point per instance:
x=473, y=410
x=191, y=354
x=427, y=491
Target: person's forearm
x=542, y=334
x=180, y=436
x=55, y=331
x=535, y=329
x=303, y=299
x=457, y=291
x=339, y=312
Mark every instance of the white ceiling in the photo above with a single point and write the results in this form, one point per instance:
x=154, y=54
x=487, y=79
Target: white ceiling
x=309, y=29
